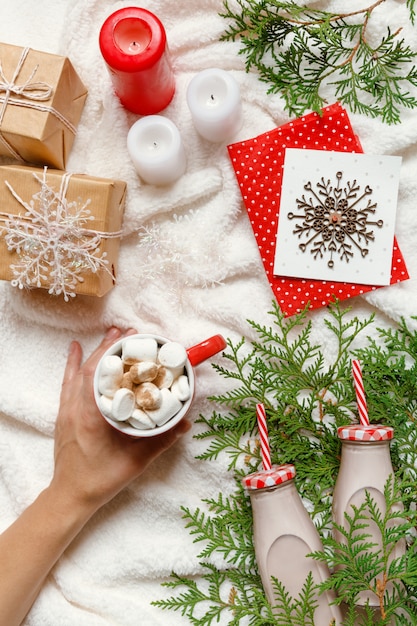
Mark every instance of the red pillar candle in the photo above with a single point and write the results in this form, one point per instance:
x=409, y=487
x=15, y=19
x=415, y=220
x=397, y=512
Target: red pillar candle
x=134, y=46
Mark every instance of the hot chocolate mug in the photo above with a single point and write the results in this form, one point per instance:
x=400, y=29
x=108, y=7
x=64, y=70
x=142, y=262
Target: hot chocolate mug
x=144, y=384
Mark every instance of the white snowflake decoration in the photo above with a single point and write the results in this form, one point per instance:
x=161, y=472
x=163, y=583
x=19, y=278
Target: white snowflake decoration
x=168, y=254
x=52, y=241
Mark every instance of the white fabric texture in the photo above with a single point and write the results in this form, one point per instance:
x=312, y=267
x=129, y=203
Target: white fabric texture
x=197, y=272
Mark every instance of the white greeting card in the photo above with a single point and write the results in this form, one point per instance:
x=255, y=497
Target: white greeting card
x=337, y=216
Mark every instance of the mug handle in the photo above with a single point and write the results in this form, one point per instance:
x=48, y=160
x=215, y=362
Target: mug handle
x=206, y=349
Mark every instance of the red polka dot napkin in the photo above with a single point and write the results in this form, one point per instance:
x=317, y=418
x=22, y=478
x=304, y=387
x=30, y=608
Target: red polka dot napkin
x=258, y=165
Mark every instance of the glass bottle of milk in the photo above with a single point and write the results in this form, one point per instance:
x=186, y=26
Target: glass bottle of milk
x=365, y=466
x=283, y=536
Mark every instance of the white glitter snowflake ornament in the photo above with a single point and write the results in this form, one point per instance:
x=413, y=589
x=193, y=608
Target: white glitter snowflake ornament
x=170, y=254
x=54, y=246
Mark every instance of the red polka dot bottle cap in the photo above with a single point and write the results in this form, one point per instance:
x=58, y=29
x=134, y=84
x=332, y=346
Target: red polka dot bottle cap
x=263, y=479
x=373, y=432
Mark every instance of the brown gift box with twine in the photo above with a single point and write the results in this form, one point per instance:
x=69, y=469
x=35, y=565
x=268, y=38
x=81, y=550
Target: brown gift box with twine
x=41, y=101
x=59, y=231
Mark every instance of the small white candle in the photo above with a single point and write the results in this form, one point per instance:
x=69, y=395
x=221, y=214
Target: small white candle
x=213, y=97
x=155, y=146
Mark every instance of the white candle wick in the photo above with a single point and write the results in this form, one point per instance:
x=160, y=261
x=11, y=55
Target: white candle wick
x=212, y=101
x=213, y=98
x=154, y=144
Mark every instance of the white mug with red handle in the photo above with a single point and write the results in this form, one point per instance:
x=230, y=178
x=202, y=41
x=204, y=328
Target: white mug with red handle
x=144, y=384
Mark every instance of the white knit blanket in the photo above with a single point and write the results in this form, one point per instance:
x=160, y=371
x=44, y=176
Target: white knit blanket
x=197, y=272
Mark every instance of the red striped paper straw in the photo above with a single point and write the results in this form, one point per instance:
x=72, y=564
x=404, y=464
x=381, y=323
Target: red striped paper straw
x=360, y=393
x=263, y=433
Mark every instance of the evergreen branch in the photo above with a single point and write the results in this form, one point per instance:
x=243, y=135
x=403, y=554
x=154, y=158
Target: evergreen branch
x=299, y=611
x=230, y=591
x=410, y=6
x=194, y=601
x=361, y=565
x=307, y=394
x=220, y=532
x=229, y=439
x=302, y=53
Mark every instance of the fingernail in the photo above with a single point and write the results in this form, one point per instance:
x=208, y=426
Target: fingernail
x=112, y=333
x=72, y=347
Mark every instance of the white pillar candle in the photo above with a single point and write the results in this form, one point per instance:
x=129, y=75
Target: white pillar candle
x=213, y=97
x=155, y=146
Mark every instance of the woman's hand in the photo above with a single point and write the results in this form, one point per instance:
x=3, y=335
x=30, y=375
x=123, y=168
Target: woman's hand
x=93, y=461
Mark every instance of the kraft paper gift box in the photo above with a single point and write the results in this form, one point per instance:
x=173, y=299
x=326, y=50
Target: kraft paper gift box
x=59, y=231
x=41, y=101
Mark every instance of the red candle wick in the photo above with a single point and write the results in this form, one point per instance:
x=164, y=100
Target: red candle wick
x=133, y=44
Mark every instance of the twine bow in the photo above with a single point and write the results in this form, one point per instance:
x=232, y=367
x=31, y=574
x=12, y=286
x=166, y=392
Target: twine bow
x=31, y=90
x=28, y=94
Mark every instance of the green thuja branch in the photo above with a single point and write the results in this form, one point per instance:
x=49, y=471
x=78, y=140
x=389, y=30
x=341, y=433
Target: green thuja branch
x=368, y=563
x=299, y=611
x=390, y=362
x=225, y=530
x=231, y=591
x=411, y=8
x=302, y=53
x=305, y=400
x=307, y=389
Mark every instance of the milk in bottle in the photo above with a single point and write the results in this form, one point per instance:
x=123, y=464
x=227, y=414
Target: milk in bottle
x=283, y=535
x=365, y=467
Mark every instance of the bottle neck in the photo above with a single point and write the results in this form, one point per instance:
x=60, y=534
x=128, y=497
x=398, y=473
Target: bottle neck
x=363, y=459
x=286, y=485
x=283, y=498
x=371, y=447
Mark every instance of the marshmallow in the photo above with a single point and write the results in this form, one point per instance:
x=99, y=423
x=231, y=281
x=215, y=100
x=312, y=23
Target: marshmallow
x=181, y=388
x=139, y=349
x=164, y=378
x=172, y=355
x=105, y=404
x=148, y=396
x=123, y=404
x=141, y=420
x=143, y=372
x=170, y=405
x=110, y=375
x=144, y=384
x=127, y=381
